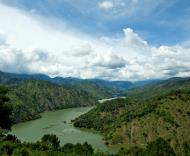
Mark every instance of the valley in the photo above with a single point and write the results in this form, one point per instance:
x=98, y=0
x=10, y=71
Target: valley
x=156, y=113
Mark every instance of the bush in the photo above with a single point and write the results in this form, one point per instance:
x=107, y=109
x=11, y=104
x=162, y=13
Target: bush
x=159, y=148
x=52, y=140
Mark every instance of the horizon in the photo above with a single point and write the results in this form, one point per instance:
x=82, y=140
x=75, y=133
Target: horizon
x=116, y=40
x=145, y=80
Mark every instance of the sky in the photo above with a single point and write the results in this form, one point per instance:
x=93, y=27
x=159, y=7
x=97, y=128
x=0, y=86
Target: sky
x=106, y=39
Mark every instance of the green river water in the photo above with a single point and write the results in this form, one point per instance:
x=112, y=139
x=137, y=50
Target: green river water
x=59, y=123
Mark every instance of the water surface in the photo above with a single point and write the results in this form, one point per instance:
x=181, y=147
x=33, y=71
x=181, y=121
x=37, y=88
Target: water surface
x=59, y=123
x=109, y=99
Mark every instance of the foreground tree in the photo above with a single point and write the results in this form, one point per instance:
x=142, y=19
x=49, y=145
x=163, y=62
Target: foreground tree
x=52, y=140
x=5, y=109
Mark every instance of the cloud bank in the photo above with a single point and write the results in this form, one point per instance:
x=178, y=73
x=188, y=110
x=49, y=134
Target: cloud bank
x=32, y=44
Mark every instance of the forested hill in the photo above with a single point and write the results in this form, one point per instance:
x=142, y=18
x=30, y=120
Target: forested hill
x=113, y=87
x=165, y=112
x=33, y=97
x=158, y=88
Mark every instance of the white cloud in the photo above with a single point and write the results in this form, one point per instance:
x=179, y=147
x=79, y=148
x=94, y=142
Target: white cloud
x=33, y=45
x=107, y=60
x=106, y=5
x=132, y=38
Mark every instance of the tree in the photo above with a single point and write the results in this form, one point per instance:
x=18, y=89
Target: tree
x=133, y=151
x=159, y=147
x=7, y=148
x=52, y=140
x=88, y=150
x=11, y=138
x=5, y=109
x=67, y=148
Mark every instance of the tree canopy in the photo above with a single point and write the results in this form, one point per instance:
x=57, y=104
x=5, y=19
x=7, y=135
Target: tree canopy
x=5, y=109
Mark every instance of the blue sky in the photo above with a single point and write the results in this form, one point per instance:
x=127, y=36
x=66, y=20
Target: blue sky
x=158, y=22
x=106, y=39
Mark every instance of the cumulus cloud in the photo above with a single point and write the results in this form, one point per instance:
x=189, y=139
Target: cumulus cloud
x=107, y=60
x=132, y=38
x=30, y=46
x=106, y=5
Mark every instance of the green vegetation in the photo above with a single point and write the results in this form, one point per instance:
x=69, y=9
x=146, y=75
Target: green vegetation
x=132, y=121
x=159, y=88
x=138, y=125
x=98, y=89
x=49, y=146
x=159, y=147
x=5, y=109
x=33, y=97
x=33, y=94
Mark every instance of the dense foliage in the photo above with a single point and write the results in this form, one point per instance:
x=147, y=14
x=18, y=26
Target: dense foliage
x=49, y=146
x=159, y=147
x=5, y=109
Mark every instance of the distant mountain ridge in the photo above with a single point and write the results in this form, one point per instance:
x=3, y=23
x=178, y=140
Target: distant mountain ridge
x=14, y=79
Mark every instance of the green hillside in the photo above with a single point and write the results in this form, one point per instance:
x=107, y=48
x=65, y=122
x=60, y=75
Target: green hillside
x=159, y=88
x=33, y=94
x=96, y=87
x=96, y=91
x=136, y=122
x=33, y=97
x=49, y=145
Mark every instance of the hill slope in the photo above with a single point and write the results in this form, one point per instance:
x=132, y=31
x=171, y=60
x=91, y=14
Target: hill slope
x=32, y=94
x=134, y=121
x=158, y=88
x=33, y=97
x=112, y=87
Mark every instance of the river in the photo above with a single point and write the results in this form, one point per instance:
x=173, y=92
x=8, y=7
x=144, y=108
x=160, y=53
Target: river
x=109, y=99
x=59, y=123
